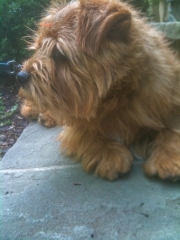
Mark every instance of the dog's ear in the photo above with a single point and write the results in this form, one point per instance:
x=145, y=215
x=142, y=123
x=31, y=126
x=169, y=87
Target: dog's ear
x=99, y=21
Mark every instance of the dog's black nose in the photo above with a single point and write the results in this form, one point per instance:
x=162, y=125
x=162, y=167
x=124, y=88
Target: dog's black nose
x=23, y=77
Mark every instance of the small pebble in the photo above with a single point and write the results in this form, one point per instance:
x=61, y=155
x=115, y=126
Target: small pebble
x=2, y=137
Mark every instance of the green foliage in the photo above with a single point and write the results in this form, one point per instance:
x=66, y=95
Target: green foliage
x=140, y=4
x=1, y=107
x=144, y=4
x=16, y=19
x=5, y=115
x=153, y=2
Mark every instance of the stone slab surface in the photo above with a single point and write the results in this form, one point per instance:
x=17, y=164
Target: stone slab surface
x=45, y=196
x=37, y=147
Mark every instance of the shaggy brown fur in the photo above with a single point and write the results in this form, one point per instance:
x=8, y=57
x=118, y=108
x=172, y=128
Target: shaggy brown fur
x=110, y=79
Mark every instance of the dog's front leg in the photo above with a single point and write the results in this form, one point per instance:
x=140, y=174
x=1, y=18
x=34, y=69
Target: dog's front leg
x=164, y=160
x=98, y=154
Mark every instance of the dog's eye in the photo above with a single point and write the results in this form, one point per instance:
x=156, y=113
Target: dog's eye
x=58, y=56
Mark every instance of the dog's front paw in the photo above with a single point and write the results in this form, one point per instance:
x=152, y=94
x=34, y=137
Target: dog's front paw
x=107, y=159
x=46, y=120
x=165, y=165
x=113, y=168
x=110, y=162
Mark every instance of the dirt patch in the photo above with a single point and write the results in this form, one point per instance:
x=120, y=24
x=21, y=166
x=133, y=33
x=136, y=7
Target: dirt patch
x=11, y=122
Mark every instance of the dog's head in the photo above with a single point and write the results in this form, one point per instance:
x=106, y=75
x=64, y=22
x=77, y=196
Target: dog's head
x=80, y=51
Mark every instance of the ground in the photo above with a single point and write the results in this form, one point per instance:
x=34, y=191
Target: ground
x=11, y=122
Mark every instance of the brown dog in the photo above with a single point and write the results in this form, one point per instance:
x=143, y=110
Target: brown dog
x=110, y=79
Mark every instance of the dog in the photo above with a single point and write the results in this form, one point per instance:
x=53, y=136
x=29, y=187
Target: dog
x=101, y=71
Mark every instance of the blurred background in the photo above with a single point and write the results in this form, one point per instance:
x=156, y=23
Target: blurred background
x=19, y=16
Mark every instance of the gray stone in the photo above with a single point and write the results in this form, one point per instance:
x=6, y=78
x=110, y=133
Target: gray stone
x=36, y=147
x=45, y=196
x=2, y=137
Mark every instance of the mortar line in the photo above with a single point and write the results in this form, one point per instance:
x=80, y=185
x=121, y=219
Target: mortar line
x=39, y=169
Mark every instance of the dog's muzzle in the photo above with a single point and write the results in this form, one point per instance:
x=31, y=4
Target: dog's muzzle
x=23, y=78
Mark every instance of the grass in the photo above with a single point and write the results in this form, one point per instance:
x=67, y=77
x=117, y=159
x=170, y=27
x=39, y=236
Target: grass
x=5, y=115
